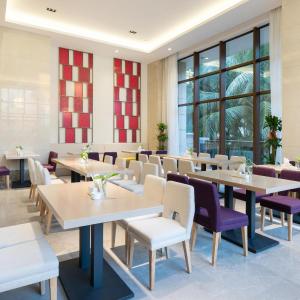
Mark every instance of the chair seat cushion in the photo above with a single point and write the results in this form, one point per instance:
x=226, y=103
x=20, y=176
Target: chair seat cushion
x=241, y=195
x=285, y=204
x=231, y=219
x=13, y=235
x=4, y=171
x=157, y=232
x=50, y=168
x=27, y=263
x=124, y=223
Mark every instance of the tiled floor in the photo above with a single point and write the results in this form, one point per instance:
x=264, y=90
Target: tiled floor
x=273, y=274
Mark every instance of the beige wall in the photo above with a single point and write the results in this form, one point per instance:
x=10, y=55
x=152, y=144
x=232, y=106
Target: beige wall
x=291, y=78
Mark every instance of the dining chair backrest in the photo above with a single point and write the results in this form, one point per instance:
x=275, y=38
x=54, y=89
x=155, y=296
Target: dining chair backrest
x=154, y=188
x=289, y=175
x=147, y=152
x=264, y=171
x=169, y=165
x=185, y=166
x=223, y=159
x=136, y=167
x=177, y=178
x=204, y=154
x=162, y=152
x=195, y=155
x=143, y=158
x=46, y=176
x=52, y=155
x=31, y=169
x=180, y=199
x=39, y=173
x=120, y=163
x=155, y=159
x=114, y=156
x=207, y=201
x=237, y=163
x=108, y=159
x=148, y=169
x=93, y=155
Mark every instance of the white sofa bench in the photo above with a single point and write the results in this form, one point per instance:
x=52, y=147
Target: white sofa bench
x=26, y=258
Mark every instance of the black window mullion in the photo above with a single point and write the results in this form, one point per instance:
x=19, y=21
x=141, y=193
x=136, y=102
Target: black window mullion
x=222, y=96
x=196, y=99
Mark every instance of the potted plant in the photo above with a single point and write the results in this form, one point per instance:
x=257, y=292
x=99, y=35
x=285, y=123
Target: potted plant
x=162, y=136
x=19, y=150
x=273, y=142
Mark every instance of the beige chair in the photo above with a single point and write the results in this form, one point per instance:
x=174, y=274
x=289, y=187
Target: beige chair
x=160, y=232
x=185, y=167
x=204, y=154
x=223, y=160
x=152, y=183
x=143, y=158
x=155, y=159
x=32, y=177
x=120, y=163
x=149, y=169
x=169, y=165
x=237, y=163
x=108, y=159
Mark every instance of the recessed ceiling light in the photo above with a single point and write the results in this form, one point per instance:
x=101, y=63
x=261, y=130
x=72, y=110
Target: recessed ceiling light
x=132, y=31
x=169, y=49
x=116, y=51
x=53, y=10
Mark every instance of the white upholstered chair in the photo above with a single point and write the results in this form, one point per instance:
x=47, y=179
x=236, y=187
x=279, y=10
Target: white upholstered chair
x=155, y=159
x=169, y=165
x=237, y=163
x=143, y=158
x=108, y=159
x=32, y=177
x=160, y=232
x=185, y=166
x=223, y=160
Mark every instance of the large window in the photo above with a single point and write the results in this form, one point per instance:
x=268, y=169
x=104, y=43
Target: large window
x=224, y=96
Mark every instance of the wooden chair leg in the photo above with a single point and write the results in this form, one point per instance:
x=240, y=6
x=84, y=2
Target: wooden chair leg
x=113, y=234
x=282, y=217
x=7, y=181
x=126, y=246
x=271, y=215
x=187, y=255
x=290, y=227
x=216, y=239
x=37, y=203
x=262, y=218
x=152, y=258
x=49, y=220
x=166, y=253
x=33, y=192
x=245, y=239
x=43, y=287
x=194, y=235
x=53, y=288
x=130, y=251
x=30, y=192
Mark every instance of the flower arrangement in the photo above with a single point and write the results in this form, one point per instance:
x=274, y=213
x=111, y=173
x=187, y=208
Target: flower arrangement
x=84, y=154
x=99, y=188
x=19, y=149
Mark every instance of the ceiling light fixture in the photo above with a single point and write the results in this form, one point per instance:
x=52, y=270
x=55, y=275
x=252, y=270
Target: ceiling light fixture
x=169, y=49
x=53, y=10
x=132, y=31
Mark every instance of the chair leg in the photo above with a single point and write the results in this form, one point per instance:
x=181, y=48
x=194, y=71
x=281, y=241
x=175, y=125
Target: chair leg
x=271, y=215
x=290, y=227
x=187, y=255
x=166, y=253
x=33, y=192
x=30, y=192
x=43, y=287
x=7, y=181
x=53, y=288
x=130, y=251
x=152, y=258
x=282, y=217
x=49, y=220
x=37, y=203
x=245, y=240
x=194, y=235
x=262, y=218
x=216, y=239
x=126, y=245
x=113, y=234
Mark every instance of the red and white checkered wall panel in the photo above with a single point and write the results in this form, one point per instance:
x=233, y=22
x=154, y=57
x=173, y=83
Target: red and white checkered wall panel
x=127, y=101
x=76, y=96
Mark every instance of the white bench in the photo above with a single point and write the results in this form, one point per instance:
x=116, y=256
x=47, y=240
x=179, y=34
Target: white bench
x=26, y=258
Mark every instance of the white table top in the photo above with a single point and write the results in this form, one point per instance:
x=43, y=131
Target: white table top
x=24, y=155
x=201, y=160
x=89, y=168
x=253, y=183
x=137, y=151
x=73, y=207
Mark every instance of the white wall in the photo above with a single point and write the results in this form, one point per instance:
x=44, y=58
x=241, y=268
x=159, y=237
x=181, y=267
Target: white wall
x=29, y=62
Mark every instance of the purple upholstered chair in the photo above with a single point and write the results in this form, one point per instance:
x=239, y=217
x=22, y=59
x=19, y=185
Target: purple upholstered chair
x=93, y=155
x=147, y=152
x=211, y=215
x=161, y=152
x=113, y=154
x=51, y=166
x=5, y=172
x=177, y=178
x=282, y=202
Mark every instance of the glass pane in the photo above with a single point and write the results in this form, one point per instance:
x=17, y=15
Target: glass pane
x=209, y=122
x=264, y=41
x=239, y=50
x=239, y=81
x=185, y=92
x=239, y=127
x=209, y=60
x=186, y=68
x=264, y=75
x=186, y=134
x=209, y=87
x=265, y=109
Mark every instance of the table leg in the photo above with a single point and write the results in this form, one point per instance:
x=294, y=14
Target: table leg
x=22, y=183
x=250, y=211
x=84, y=247
x=97, y=255
x=22, y=171
x=228, y=196
x=75, y=177
x=203, y=167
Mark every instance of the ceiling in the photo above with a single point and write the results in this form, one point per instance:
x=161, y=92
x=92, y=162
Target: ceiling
x=105, y=25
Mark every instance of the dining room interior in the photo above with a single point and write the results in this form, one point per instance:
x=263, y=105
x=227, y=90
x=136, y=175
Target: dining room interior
x=149, y=149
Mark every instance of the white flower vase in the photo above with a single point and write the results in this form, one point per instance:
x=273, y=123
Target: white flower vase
x=98, y=190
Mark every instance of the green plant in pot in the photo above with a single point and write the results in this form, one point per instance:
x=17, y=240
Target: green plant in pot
x=273, y=142
x=162, y=136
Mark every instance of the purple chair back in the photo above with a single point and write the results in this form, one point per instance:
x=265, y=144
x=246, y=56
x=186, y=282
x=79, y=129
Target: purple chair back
x=207, y=204
x=264, y=171
x=52, y=154
x=177, y=178
x=113, y=154
x=161, y=152
x=93, y=155
x=289, y=175
x=147, y=152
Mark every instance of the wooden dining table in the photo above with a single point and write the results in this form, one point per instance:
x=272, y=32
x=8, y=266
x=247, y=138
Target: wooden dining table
x=90, y=276
x=252, y=184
